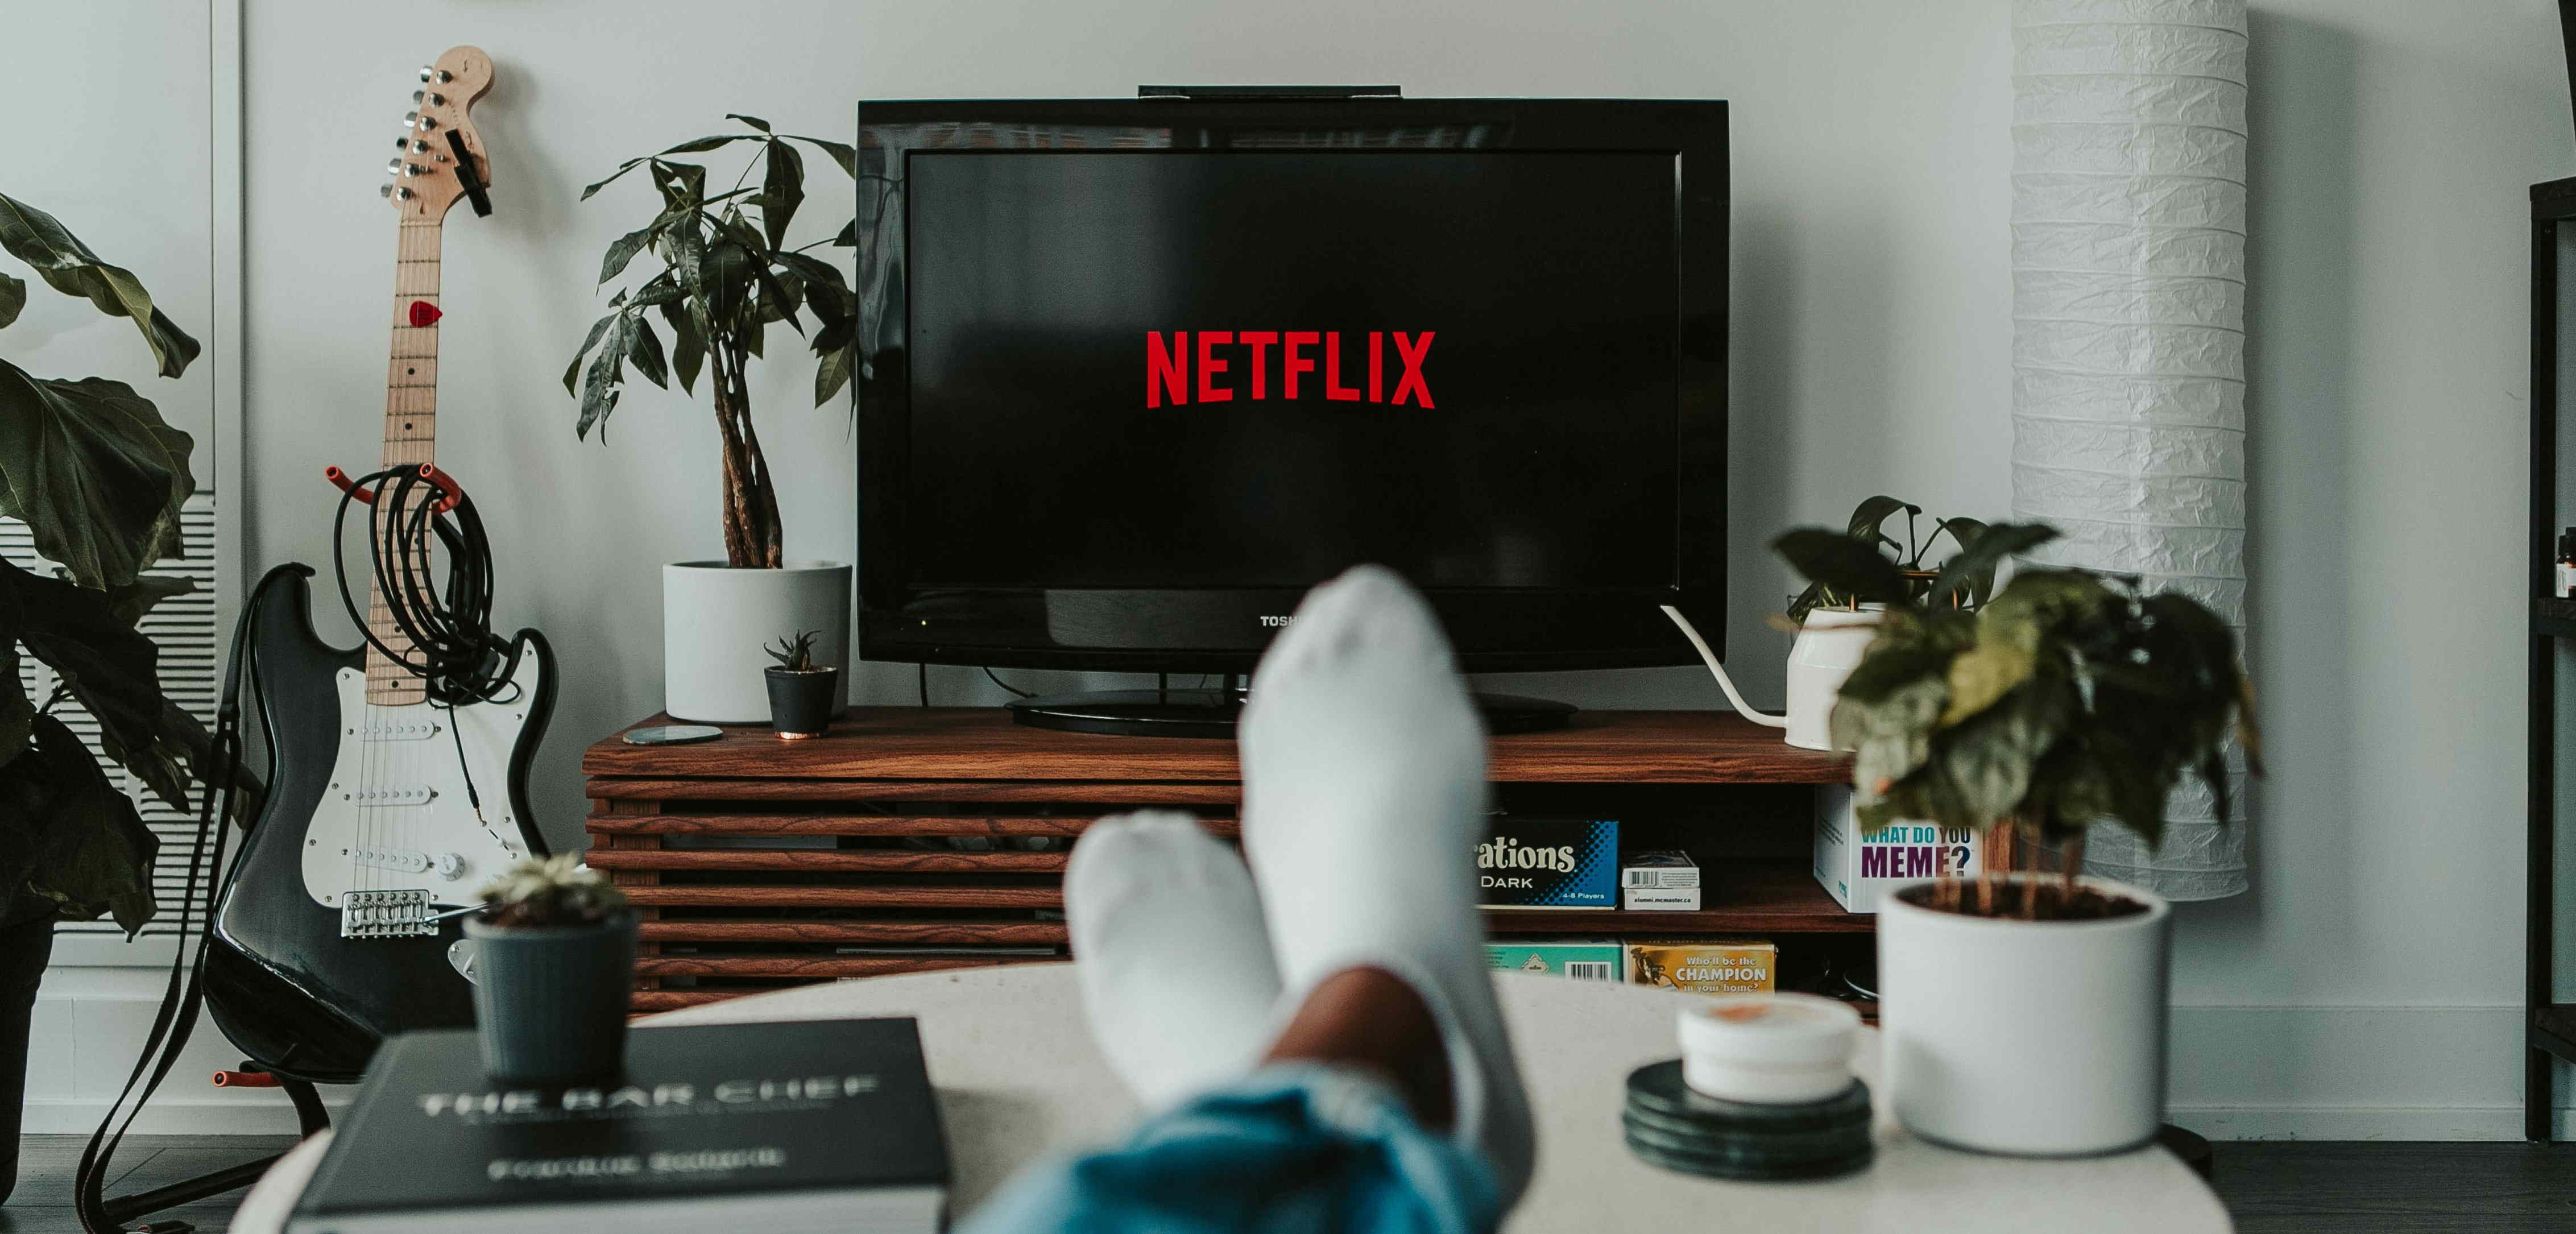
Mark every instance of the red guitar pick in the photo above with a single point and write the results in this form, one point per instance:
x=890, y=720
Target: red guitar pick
x=424, y=313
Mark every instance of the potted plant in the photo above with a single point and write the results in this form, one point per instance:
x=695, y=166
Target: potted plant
x=727, y=273
x=1870, y=570
x=554, y=960
x=2025, y=1013
x=99, y=480
x=802, y=694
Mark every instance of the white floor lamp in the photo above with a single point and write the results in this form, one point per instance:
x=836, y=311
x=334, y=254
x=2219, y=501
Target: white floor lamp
x=2128, y=254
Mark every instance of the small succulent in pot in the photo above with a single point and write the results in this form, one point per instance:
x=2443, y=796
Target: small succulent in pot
x=802, y=694
x=554, y=962
x=550, y=891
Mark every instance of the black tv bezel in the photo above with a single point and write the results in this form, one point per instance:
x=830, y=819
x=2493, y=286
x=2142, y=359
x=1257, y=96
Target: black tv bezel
x=1213, y=630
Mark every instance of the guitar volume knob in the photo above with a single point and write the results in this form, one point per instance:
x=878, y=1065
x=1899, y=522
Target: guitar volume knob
x=451, y=866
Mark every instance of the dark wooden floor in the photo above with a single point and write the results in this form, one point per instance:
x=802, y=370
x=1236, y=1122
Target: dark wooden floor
x=2273, y=1188
x=42, y=1204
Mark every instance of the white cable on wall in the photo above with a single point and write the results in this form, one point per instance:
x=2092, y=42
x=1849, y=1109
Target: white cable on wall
x=2128, y=266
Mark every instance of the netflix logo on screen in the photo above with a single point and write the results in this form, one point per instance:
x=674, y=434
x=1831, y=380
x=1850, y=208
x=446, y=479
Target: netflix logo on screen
x=1219, y=366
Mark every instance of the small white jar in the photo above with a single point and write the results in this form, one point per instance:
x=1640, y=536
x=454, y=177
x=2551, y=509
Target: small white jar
x=1768, y=1049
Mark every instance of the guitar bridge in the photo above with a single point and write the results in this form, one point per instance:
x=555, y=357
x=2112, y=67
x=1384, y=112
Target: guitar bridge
x=386, y=914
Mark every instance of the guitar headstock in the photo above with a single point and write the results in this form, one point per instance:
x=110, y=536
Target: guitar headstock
x=439, y=157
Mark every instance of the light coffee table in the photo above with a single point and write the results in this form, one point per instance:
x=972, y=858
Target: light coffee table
x=1018, y=1077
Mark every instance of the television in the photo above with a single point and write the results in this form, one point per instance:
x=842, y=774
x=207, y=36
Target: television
x=1135, y=374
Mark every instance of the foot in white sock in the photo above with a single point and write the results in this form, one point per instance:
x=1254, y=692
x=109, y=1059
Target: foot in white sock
x=1363, y=797
x=1175, y=968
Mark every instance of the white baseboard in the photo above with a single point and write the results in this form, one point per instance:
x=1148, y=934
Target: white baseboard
x=2350, y=1073
x=90, y=1026
x=2238, y=1073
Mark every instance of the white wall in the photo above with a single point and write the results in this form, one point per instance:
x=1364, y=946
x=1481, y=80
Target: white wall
x=2366, y=988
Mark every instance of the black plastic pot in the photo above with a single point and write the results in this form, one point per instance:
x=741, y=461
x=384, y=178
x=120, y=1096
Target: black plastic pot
x=550, y=1001
x=25, y=946
x=801, y=703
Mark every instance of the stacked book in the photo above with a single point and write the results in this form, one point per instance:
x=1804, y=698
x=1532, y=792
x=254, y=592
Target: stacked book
x=783, y=1128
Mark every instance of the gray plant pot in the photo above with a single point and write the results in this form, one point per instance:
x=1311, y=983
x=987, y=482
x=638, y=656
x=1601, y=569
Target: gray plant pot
x=801, y=704
x=550, y=1002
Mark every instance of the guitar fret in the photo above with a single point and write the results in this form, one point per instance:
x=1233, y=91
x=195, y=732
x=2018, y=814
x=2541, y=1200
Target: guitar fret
x=410, y=431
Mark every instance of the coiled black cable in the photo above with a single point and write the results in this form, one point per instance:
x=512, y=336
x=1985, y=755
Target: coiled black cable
x=453, y=648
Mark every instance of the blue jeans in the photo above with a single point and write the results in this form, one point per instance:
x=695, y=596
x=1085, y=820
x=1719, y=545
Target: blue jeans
x=1286, y=1150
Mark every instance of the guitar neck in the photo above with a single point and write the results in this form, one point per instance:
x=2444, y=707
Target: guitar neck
x=411, y=425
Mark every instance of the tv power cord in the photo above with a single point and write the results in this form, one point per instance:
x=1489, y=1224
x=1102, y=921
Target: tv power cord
x=1718, y=670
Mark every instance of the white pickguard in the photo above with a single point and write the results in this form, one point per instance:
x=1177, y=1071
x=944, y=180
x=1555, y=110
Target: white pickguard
x=397, y=815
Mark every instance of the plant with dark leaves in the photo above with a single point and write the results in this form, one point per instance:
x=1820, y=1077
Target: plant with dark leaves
x=550, y=891
x=1863, y=564
x=726, y=275
x=2068, y=698
x=99, y=479
x=796, y=655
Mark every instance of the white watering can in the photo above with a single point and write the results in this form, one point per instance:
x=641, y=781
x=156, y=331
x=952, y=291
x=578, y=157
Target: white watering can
x=1830, y=645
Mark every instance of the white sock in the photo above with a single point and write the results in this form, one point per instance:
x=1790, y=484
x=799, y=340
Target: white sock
x=1175, y=968
x=1363, y=799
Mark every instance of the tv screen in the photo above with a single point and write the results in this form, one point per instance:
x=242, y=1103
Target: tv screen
x=1134, y=375
x=1254, y=368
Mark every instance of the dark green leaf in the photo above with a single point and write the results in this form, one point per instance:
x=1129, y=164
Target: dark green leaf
x=623, y=251
x=682, y=185
x=836, y=349
x=753, y=121
x=112, y=669
x=1872, y=514
x=599, y=386
x=782, y=189
x=597, y=328
x=1970, y=573
x=66, y=264
x=622, y=169
x=129, y=603
x=93, y=471
x=688, y=347
x=1854, y=569
x=704, y=144
x=840, y=152
x=644, y=351
x=17, y=711
x=13, y=297
x=848, y=237
x=91, y=851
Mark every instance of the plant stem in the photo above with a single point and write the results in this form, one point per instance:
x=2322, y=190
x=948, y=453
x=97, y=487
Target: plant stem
x=2071, y=858
x=1986, y=868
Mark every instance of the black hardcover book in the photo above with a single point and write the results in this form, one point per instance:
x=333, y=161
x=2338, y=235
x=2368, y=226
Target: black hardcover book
x=821, y=1125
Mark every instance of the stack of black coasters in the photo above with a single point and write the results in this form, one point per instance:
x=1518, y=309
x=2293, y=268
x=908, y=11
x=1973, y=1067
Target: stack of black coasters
x=1671, y=1126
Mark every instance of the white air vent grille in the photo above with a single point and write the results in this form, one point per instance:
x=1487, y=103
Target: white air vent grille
x=184, y=627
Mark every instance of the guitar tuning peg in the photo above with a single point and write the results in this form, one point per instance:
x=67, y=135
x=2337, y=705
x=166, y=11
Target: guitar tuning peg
x=425, y=97
x=402, y=143
x=431, y=72
x=417, y=146
x=385, y=189
x=393, y=191
x=393, y=167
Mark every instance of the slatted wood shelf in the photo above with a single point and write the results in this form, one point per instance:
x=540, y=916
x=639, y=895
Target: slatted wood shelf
x=815, y=967
x=825, y=860
x=759, y=863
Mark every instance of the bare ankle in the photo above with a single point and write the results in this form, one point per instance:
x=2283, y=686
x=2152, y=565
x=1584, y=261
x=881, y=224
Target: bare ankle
x=1370, y=1019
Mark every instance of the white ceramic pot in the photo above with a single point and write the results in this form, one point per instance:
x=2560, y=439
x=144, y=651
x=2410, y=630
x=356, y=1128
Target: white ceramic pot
x=1830, y=645
x=716, y=619
x=2035, y=1038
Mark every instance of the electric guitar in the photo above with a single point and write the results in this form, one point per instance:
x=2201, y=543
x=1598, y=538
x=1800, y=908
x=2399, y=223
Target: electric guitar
x=328, y=936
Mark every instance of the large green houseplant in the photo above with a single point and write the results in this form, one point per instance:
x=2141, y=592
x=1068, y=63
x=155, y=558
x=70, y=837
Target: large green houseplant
x=99, y=479
x=727, y=273
x=2029, y=1017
